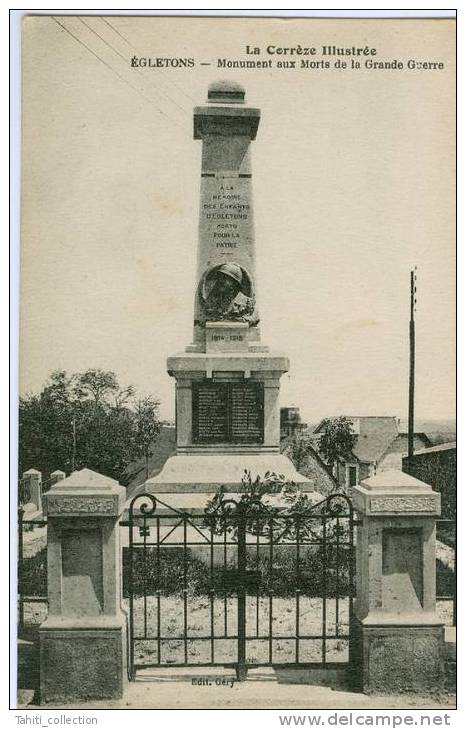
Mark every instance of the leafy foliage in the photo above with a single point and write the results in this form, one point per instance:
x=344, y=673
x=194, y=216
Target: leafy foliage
x=33, y=575
x=301, y=451
x=24, y=491
x=445, y=580
x=164, y=573
x=222, y=512
x=301, y=514
x=439, y=470
x=298, y=449
x=337, y=439
x=147, y=427
x=310, y=548
x=85, y=420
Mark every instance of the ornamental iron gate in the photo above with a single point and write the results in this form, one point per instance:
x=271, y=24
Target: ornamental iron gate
x=239, y=584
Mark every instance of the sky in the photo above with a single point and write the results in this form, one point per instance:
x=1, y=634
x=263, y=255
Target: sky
x=353, y=179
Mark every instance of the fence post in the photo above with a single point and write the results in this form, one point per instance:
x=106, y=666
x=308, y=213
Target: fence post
x=398, y=640
x=20, y=568
x=33, y=479
x=83, y=640
x=241, y=668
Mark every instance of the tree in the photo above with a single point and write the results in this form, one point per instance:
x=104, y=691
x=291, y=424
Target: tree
x=298, y=450
x=303, y=453
x=298, y=512
x=337, y=440
x=83, y=420
x=147, y=427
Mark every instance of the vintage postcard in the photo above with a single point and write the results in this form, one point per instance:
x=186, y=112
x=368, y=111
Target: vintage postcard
x=237, y=425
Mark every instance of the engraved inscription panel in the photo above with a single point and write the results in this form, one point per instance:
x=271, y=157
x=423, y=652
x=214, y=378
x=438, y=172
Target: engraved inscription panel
x=228, y=412
x=247, y=405
x=210, y=412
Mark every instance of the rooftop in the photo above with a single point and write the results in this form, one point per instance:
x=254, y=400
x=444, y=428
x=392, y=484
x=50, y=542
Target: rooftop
x=436, y=448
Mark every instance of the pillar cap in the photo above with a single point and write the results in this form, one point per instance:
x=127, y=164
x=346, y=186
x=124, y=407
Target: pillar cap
x=226, y=92
x=202, y=363
x=228, y=120
x=394, y=481
x=85, y=493
x=394, y=493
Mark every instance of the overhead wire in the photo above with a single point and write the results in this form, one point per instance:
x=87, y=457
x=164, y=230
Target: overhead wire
x=159, y=91
x=188, y=96
x=107, y=65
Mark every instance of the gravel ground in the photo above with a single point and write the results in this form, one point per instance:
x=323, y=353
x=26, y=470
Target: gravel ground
x=35, y=613
x=172, y=687
x=34, y=540
x=225, y=649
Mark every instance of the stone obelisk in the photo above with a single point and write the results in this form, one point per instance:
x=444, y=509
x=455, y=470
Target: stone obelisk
x=227, y=381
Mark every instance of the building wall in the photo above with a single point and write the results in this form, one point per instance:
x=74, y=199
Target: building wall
x=309, y=464
x=291, y=430
x=291, y=424
x=364, y=471
x=393, y=458
x=374, y=436
x=340, y=473
x=379, y=426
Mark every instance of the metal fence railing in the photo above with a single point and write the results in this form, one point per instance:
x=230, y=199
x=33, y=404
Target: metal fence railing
x=32, y=569
x=32, y=564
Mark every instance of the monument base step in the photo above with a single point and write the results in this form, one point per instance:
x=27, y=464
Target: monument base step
x=209, y=472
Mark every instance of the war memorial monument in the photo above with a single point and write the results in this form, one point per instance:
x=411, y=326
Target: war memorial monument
x=342, y=594
x=227, y=381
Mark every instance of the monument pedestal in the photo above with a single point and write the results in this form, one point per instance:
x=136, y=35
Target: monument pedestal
x=397, y=639
x=83, y=640
x=228, y=421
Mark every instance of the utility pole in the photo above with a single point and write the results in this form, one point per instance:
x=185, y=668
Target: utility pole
x=412, y=355
x=73, y=456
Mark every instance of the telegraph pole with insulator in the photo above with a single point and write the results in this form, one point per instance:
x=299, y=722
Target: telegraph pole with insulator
x=412, y=355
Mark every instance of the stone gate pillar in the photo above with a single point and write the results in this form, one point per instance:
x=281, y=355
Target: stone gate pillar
x=397, y=638
x=83, y=639
x=33, y=479
x=56, y=476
